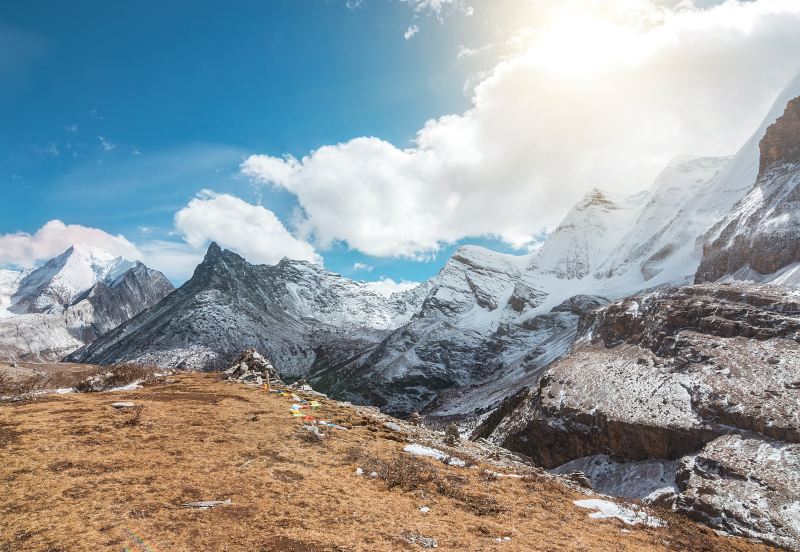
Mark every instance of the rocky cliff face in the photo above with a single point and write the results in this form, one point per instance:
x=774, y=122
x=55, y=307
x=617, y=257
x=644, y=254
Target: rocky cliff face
x=781, y=143
x=667, y=375
x=762, y=232
x=49, y=312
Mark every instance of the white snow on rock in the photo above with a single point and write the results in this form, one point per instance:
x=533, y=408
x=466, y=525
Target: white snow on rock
x=605, y=509
x=587, y=234
x=9, y=284
x=132, y=386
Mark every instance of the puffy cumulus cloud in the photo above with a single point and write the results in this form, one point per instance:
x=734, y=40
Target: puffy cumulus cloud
x=387, y=286
x=253, y=231
x=25, y=250
x=599, y=94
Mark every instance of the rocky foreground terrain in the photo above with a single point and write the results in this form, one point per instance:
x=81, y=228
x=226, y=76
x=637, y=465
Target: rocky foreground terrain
x=189, y=462
x=704, y=378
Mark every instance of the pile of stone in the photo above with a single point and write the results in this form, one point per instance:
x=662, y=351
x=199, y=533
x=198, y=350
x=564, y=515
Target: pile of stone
x=251, y=367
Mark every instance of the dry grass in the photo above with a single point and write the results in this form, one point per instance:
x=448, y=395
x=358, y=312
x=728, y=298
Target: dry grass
x=78, y=475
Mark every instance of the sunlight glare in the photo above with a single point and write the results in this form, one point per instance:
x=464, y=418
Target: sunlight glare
x=584, y=45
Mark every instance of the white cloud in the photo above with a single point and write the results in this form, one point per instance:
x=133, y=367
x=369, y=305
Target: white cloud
x=251, y=230
x=50, y=149
x=440, y=7
x=358, y=266
x=387, y=286
x=467, y=51
x=72, y=129
x=410, y=32
x=27, y=250
x=107, y=146
x=600, y=94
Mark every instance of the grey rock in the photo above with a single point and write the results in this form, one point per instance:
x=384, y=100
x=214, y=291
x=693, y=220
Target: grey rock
x=761, y=234
x=420, y=540
x=580, y=478
x=312, y=432
x=748, y=486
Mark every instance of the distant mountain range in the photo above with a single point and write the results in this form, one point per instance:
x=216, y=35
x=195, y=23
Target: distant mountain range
x=83, y=293
x=488, y=323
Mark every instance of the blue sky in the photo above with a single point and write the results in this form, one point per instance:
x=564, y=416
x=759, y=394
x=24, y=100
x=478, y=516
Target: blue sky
x=181, y=93
x=116, y=115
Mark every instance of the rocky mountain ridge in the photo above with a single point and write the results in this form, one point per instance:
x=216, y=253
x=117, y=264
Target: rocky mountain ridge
x=481, y=330
x=291, y=311
x=689, y=396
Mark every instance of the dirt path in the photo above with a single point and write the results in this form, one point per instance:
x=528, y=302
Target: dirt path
x=77, y=474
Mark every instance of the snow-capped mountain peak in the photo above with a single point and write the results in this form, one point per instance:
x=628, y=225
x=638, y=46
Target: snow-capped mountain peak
x=587, y=234
x=62, y=279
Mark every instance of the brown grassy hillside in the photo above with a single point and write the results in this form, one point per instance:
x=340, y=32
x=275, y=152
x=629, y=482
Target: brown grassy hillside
x=77, y=474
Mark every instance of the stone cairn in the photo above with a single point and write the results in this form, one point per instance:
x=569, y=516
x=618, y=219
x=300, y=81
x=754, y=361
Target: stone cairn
x=251, y=367
x=451, y=435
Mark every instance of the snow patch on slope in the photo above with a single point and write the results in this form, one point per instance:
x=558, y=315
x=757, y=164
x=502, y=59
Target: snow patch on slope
x=9, y=284
x=605, y=509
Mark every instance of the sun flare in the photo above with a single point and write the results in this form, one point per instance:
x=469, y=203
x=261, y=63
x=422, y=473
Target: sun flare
x=585, y=45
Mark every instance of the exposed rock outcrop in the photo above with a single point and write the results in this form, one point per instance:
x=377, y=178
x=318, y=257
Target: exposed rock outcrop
x=662, y=374
x=748, y=486
x=251, y=367
x=687, y=373
x=781, y=143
